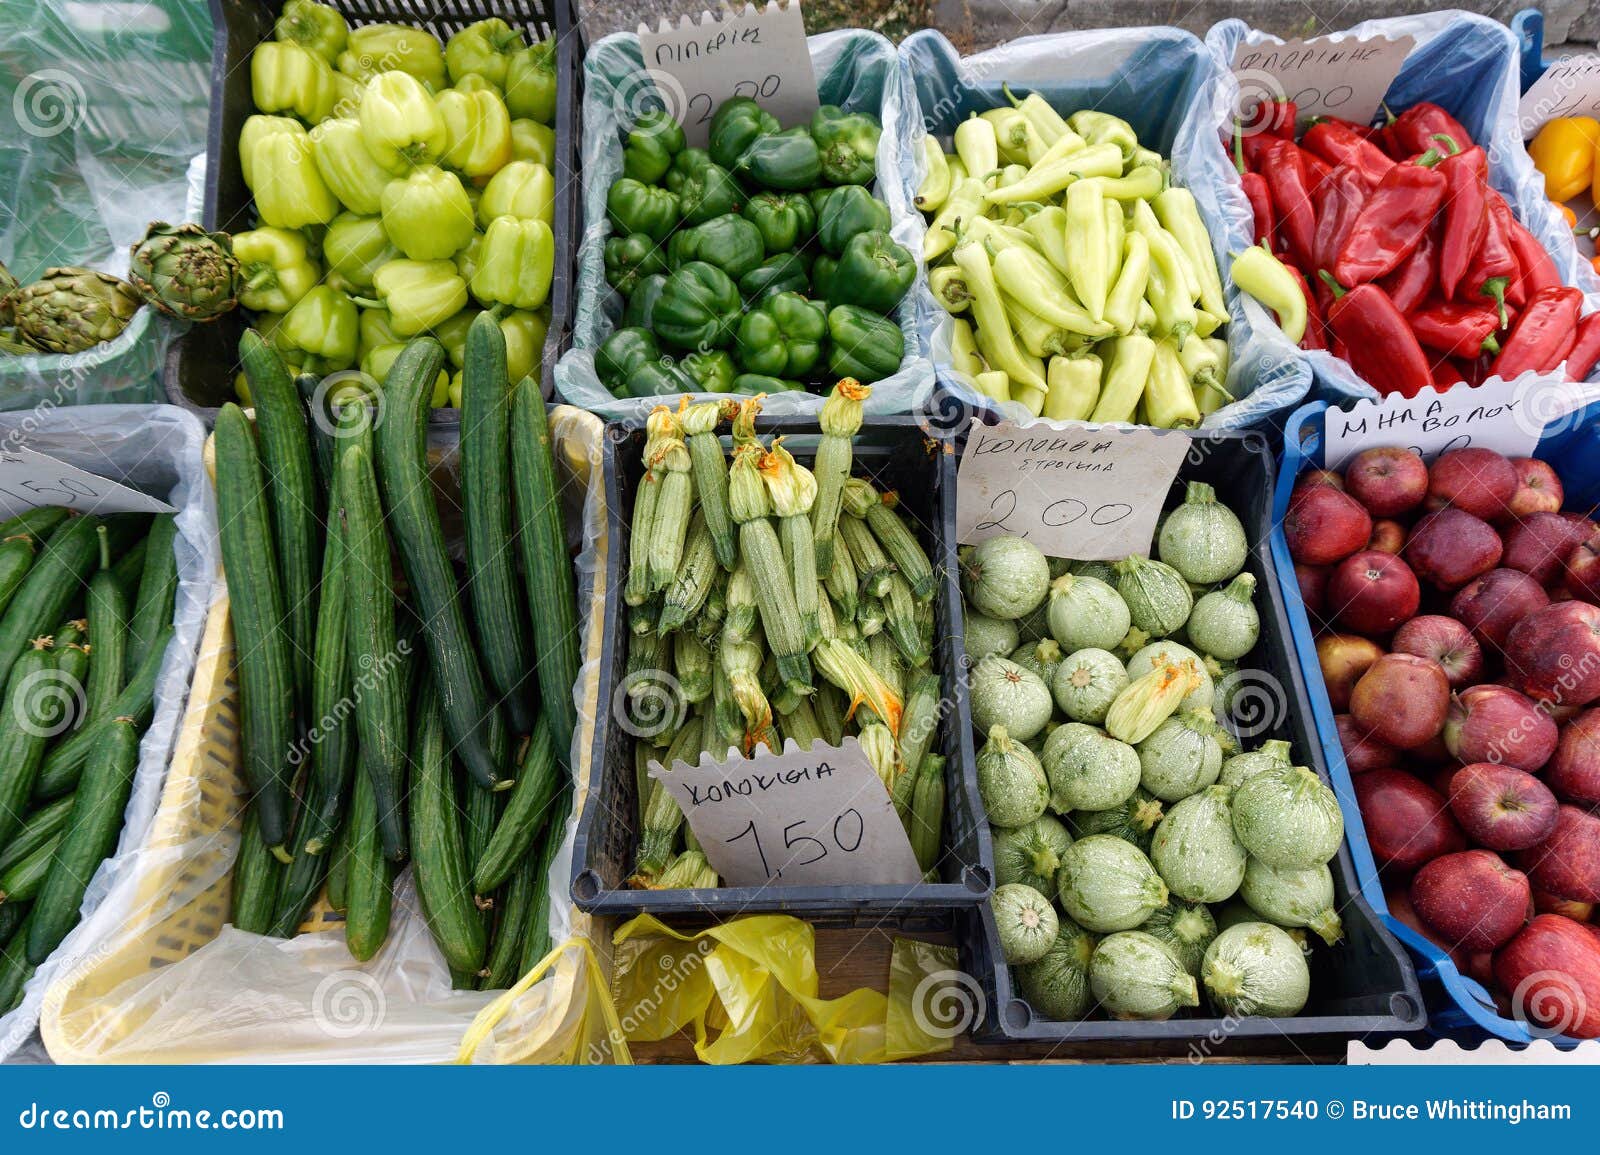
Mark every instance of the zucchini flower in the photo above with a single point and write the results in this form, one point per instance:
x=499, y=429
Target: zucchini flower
x=853, y=674
x=669, y=461
x=793, y=489
x=711, y=472
x=688, y=871
x=1148, y=701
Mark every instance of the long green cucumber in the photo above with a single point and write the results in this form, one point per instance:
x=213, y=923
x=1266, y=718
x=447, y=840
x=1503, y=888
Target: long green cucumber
x=256, y=874
x=292, y=493
x=90, y=836
x=477, y=731
x=24, y=881
x=546, y=568
x=70, y=646
x=497, y=610
x=15, y=970
x=63, y=765
x=480, y=812
x=536, y=943
x=380, y=702
x=11, y=916
x=332, y=734
x=324, y=455
x=369, y=892
x=158, y=590
x=439, y=850
x=514, y=906
x=128, y=568
x=303, y=877
x=538, y=779
x=34, y=713
x=339, y=863
x=17, y=552
x=108, y=635
x=53, y=582
x=38, y=523
x=37, y=829
x=266, y=680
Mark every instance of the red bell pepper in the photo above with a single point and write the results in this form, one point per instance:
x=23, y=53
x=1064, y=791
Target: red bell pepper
x=1459, y=328
x=1317, y=170
x=1585, y=349
x=1277, y=117
x=1379, y=345
x=1535, y=270
x=1316, y=335
x=1493, y=266
x=1364, y=131
x=1284, y=167
x=1409, y=285
x=1256, y=192
x=1543, y=335
x=1343, y=148
x=1392, y=222
x=1446, y=375
x=1338, y=204
x=1466, y=214
x=1412, y=132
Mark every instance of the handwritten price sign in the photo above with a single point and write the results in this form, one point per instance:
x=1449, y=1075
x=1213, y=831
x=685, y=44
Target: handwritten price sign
x=1569, y=87
x=1325, y=76
x=29, y=479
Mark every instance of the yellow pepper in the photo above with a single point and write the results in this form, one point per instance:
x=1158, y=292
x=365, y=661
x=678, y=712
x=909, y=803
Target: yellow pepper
x=374, y=49
x=289, y=191
x=400, y=124
x=1564, y=152
x=522, y=189
x=533, y=141
x=427, y=214
x=288, y=78
x=515, y=264
x=254, y=129
x=419, y=294
x=478, y=130
x=348, y=169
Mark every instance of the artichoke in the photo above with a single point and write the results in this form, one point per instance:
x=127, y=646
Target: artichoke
x=185, y=271
x=69, y=310
x=8, y=285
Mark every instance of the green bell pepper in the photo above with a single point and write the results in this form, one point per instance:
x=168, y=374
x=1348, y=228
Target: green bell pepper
x=738, y=122
x=515, y=264
x=713, y=371
x=427, y=214
x=699, y=308
x=623, y=352
x=629, y=259
x=660, y=378
x=377, y=362
x=356, y=247
x=531, y=82
x=289, y=191
x=451, y=333
x=374, y=49
x=844, y=213
x=275, y=269
x=288, y=78
x=690, y=162
x=525, y=334
x=823, y=270
x=485, y=49
x=523, y=189
x=260, y=125
x=729, y=242
x=419, y=294
x=640, y=208
x=401, y=125
x=347, y=168
x=467, y=255
x=641, y=308
x=653, y=141
x=863, y=344
x=375, y=330
x=753, y=383
x=705, y=189
x=783, y=337
x=321, y=333
x=533, y=141
x=874, y=272
x=785, y=220
x=848, y=143
x=316, y=27
x=784, y=273
x=477, y=131
x=786, y=161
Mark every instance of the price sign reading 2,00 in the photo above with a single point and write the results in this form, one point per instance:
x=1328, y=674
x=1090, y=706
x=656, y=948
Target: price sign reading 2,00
x=847, y=831
x=702, y=104
x=1064, y=511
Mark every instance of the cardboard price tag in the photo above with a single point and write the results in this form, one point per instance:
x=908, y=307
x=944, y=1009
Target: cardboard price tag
x=1088, y=492
x=1569, y=87
x=29, y=479
x=818, y=817
x=759, y=53
x=1336, y=75
x=1506, y=416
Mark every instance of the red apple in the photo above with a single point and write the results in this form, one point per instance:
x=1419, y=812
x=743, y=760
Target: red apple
x=1344, y=658
x=1496, y=724
x=1582, y=569
x=1402, y=699
x=1387, y=481
x=1552, y=971
x=1433, y=752
x=1372, y=592
x=1398, y=899
x=1407, y=821
x=1313, y=581
x=1566, y=907
x=1471, y=899
x=1538, y=488
x=1490, y=604
x=1478, y=481
x=1574, y=771
x=1540, y=543
x=1450, y=547
x=1331, y=478
x=1363, y=752
x=1447, y=642
x=1501, y=807
x=1553, y=654
x=1568, y=862
x=1388, y=535
x=1324, y=525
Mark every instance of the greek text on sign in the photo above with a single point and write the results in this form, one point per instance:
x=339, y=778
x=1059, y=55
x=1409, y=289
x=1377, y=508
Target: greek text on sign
x=1089, y=492
x=1569, y=87
x=1506, y=416
x=29, y=479
x=818, y=817
x=761, y=54
x=1336, y=75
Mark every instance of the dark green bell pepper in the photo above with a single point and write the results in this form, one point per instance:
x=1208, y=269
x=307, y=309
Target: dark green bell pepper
x=874, y=272
x=846, y=212
x=635, y=207
x=710, y=191
x=753, y=383
x=784, y=273
x=690, y=162
x=738, y=122
x=699, y=308
x=863, y=344
x=712, y=371
x=662, y=377
x=623, y=352
x=785, y=220
x=652, y=143
x=631, y=257
x=783, y=337
x=729, y=242
x=848, y=143
x=823, y=270
x=641, y=307
x=786, y=161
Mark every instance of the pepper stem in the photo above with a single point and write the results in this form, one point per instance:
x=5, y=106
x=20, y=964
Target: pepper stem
x=1496, y=287
x=1238, y=146
x=1448, y=141
x=1011, y=96
x=1337, y=289
x=1430, y=158
x=1490, y=345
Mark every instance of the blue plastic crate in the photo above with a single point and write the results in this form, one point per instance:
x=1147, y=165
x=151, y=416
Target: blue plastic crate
x=1573, y=449
x=1528, y=27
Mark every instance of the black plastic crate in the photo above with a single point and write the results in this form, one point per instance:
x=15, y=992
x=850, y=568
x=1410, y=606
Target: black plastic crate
x=895, y=454
x=1366, y=985
x=202, y=363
